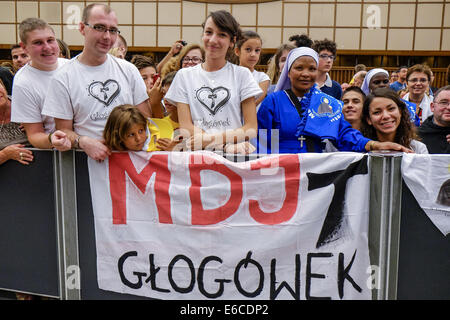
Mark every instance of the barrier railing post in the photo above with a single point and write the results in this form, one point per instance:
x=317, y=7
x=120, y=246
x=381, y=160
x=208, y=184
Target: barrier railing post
x=69, y=273
x=384, y=222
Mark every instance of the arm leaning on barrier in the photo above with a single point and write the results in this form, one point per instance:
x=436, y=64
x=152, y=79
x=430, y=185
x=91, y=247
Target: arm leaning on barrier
x=94, y=148
x=39, y=139
x=377, y=145
x=16, y=152
x=59, y=140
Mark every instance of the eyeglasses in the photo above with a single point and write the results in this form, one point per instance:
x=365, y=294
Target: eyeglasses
x=102, y=28
x=195, y=60
x=325, y=56
x=421, y=80
x=444, y=103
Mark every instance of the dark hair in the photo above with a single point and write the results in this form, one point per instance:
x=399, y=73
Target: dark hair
x=402, y=67
x=168, y=79
x=406, y=131
x=301, y=40
x=228, y=24
x=355, y=89
x=325, y=44
x=276, y=60
x=15, y=46
x=436, y=94
x=63, y=48
x=6, y=77
x=247, y=35
x=119, y=122
x=142, y=62
x=225, y=22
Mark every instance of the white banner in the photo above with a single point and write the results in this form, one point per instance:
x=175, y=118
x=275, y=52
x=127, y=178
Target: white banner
x=428, y=178
x=181, y=225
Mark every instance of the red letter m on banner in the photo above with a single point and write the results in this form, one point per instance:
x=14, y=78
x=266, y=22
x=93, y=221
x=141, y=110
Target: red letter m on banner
x=119, y=163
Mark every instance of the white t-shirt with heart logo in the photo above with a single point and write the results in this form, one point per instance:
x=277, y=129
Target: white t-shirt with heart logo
x=87, y=94
x=214, y=97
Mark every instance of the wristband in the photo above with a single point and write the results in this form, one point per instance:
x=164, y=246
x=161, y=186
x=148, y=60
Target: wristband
x=50, y=138
x=76, y=142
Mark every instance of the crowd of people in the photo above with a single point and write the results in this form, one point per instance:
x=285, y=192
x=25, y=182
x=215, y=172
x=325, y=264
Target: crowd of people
x=208, y=95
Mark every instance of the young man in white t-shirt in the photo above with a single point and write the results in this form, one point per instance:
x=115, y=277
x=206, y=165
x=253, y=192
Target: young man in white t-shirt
x=32, y=81
x=84, y=91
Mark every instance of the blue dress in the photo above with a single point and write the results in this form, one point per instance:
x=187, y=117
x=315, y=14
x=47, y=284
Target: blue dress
x=321, y=119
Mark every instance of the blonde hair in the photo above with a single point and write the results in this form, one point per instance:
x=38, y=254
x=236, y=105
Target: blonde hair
x=174, y=63
x=116, y=52
x=119, y=122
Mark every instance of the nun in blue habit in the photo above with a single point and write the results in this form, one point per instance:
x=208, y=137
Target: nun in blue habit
x=300, y=117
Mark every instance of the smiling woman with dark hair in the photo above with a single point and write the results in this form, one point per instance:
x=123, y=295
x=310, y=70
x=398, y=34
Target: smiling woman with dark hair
x=385, y=118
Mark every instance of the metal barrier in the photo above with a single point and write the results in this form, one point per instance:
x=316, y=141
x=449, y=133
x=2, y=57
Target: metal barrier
x=384, y=221
x=47, y=232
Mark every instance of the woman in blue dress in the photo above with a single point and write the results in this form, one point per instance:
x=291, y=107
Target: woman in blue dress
x=301, y=118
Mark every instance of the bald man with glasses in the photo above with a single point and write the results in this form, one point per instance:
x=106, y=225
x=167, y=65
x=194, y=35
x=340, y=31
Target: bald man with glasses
x=84, y=92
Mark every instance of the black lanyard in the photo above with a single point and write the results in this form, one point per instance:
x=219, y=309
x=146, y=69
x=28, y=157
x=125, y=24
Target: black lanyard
x=297, y=104
x=295, y=101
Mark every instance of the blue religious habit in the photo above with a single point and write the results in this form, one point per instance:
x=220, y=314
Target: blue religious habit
x=302, y=125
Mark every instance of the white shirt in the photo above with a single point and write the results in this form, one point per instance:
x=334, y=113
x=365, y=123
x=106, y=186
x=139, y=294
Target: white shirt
x=30, y=89
x=214, y=97
x=424, y=105
x=327, y=82
x=87, y=94
x=419, y=147
x=259, y=78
